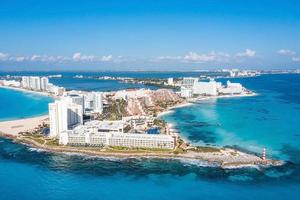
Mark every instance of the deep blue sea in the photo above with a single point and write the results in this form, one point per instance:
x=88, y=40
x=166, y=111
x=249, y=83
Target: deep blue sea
x=269, y=120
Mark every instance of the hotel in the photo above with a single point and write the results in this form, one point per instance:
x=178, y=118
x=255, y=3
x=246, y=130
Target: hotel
x=110, y=133
x=35, y=83
x=64, y=115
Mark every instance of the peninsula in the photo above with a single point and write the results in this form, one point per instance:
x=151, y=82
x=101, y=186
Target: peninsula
x=123, y=123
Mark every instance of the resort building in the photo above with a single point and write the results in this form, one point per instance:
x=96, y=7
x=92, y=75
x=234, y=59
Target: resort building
x=206, y=88
x=53, y=89
x=170, y=81
x=11, y=83
x=57, y=118
x=64, y=115
x=25, y=81
x=186, y=92
x=44, y=83
x=106, y=126
x=232, y=88
x=98, y=133
x=97, y=102
x=131, y=93
x=35, y=83
x=188, y=82
x=75, y=99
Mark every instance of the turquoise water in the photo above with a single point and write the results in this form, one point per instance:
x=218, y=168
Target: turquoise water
x=271, y=119
x=16, y=104
x=268, y=120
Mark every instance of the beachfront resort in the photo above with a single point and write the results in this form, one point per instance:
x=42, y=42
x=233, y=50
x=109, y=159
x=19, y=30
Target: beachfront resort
x=122, y=123
x=126, y=118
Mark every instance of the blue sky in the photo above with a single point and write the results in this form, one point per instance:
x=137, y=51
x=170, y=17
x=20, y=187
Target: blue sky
x=149, y=35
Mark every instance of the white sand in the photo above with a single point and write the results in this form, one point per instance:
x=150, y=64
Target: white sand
x=14, y=127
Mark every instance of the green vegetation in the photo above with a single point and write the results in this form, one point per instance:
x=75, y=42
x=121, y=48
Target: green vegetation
x=38, y=140
x=178, y=150
x=205, y=149
x=116, y=110
x=52, y=142
x=159, y=122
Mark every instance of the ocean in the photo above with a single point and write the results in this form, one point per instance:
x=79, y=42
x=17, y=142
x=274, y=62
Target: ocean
x=17, y=105
x=269, y=120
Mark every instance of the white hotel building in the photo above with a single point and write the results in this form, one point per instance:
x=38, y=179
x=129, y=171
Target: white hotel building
x=35, y=83
x=211, y=88
x=64, y=115
x=110, y=133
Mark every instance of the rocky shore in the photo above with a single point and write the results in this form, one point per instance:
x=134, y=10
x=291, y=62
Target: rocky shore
x=220, y=157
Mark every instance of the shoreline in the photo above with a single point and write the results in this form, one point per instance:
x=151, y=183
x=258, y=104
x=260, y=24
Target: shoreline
x=14, y=127
x=225, y=158
x=28, y=91
x=224, y=96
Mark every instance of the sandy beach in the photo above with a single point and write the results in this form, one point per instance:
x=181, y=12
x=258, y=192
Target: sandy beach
x=14, y=127
x=171, y=109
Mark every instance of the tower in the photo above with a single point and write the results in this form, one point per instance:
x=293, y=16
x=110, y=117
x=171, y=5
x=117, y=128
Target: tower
x=264, y=154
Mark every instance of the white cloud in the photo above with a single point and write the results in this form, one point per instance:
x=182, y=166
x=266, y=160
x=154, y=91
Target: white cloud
x=246, y=53
x=35, y=57
x=79, y=57
x=194, y=57
x=90, y=58
x=107, y=58
x=20, y=58
x=76, y=56
x=209, y=57
x=213, y=57
x=3, y=56
x=296, y=59
x=286, y=52
x=169, y=57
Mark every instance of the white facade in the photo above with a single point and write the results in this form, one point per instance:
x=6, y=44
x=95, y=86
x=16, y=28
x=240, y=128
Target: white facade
x=76, y=100
x=75, y=115
x=44, y=83
x=58, y=118
x=170, y=81
x=186, y=92
x=128, y=94
x=63, y=116
x=25, y=81
x=10, y=83
x=97, y=102
x=106, y=126
x=35, y=83
x=206, y=88
x=188, y=82
x=55, y=89
x=93, y=136
x=232, y=88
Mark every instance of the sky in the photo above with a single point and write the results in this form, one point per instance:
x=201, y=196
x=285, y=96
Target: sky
x=149, y=34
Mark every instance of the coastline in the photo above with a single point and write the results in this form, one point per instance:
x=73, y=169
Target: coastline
x=225, y=96
x=28, y=91
x=223, y=157
x=14, y=127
